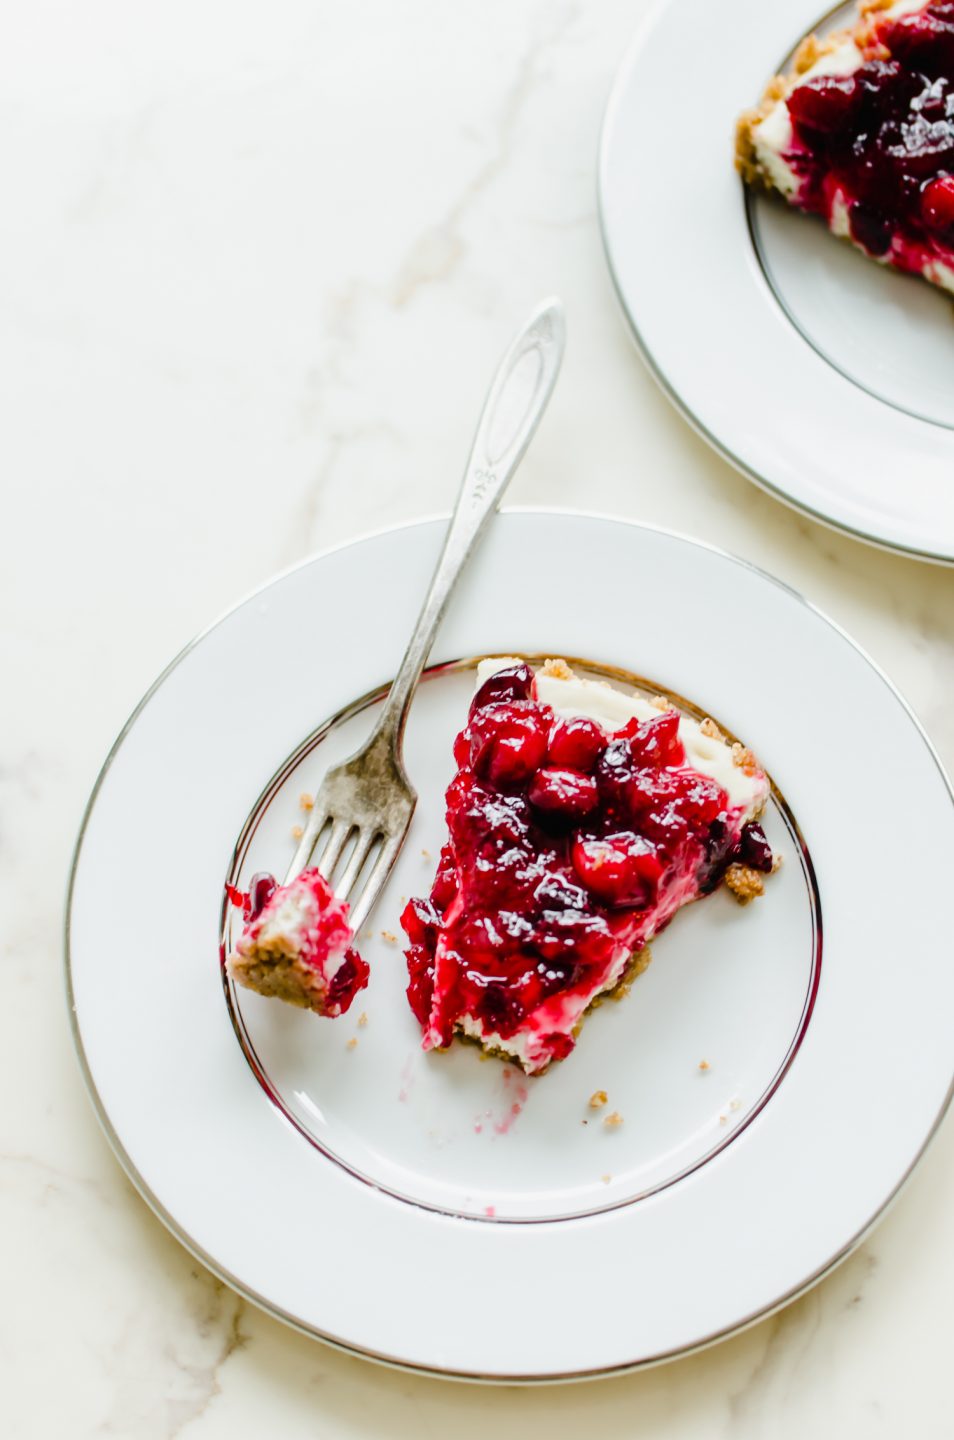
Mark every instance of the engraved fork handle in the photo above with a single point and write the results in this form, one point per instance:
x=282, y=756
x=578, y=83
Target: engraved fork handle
x=514, y=406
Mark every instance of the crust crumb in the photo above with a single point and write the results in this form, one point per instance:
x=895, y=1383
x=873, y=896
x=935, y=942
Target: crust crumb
x=614, y=1121
x=640, y=960
x=598, y=1099
x=389, y=936
x=704, y=1065
x=723, y=1119
x=363, y=1018
x=746, y=761
x=353, y=1043
x=426, y=854
x=557, y=670
x=659, y=702
x=710, y=728
x=306, y=801
x=735, y=1104
x=744, y=882
x=297, y=832
x=606, y=1179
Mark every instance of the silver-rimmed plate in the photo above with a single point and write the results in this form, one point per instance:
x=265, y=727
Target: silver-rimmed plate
x=385, y=1200
x=824, y=377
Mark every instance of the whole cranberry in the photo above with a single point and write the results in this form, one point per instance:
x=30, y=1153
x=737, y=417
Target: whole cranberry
x=577, y=742
x=621, y=869
x=937, y=203
x=420, y=921
x=924, y=40
x=702, y=801
x=754, y=848
x=513, y=682
x=565, y=793
x=508, y=742
x=261, y=889
x=655, y=741
x=826, y=104
x=614, y=772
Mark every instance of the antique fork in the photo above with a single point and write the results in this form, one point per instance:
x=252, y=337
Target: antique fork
x=369, y=798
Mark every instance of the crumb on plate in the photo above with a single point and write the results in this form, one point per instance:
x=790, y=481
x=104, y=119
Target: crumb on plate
x=598, y=1099
x=745, y=883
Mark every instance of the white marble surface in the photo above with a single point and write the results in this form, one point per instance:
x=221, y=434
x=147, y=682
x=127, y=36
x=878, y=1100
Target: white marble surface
x=257, y=263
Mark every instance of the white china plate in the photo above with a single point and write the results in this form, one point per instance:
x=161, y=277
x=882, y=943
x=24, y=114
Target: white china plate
x=446, y=1214
x=822, y=376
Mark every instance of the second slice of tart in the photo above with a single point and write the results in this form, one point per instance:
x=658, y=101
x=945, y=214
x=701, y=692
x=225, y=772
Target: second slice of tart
x=580, y=820
x=861, y=133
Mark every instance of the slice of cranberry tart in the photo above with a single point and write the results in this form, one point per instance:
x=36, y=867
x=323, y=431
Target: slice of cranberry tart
x=580, y=820
x=861, y=133
x=296, y=944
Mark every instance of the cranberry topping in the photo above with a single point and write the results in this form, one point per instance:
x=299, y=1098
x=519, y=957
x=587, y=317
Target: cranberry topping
x=620, y=869
x=561, y=839
x=567, y=794
x=350, y=977
x=260, y=891
x=924, y=40
x=826, y=105
x=755, y=850
x=253, y=901
x=508, y=741
x=577, y=743
x=515, y=682
x=937, y=203
x=882, y=139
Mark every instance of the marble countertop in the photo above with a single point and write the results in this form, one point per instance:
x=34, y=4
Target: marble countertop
x=258, y=264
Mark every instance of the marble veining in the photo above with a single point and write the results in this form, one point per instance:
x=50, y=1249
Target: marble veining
x=258, y=263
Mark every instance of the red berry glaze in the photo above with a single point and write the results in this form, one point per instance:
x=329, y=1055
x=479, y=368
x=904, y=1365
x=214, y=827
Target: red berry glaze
x=577, y=743
x=565, y=794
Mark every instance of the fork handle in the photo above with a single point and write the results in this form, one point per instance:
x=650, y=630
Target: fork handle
x=512, y=411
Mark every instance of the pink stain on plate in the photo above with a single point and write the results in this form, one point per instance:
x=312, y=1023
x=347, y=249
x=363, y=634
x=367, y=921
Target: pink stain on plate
x=407, y=1079
x=505, y=1122
x=490, y=1211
